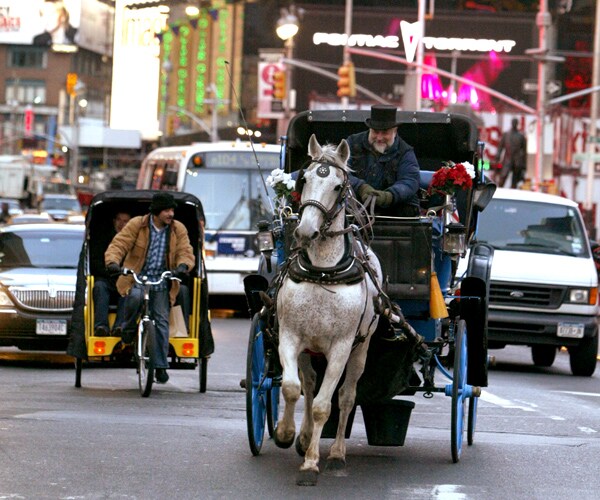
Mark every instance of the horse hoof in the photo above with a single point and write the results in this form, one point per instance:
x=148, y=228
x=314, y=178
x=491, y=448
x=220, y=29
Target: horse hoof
x=299, y=449
x=280, y=443
x=335, y=464
x=307, y=478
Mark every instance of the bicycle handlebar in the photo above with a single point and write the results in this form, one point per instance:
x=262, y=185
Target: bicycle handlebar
x=143, y=280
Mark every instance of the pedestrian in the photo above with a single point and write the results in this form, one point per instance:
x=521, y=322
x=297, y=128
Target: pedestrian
x=384, y=165
x=514, y=160
x=149, y=245
x=105, y=289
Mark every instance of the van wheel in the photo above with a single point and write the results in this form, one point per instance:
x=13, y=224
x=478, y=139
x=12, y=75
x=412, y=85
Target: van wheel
x=583, y=357
x=543, y=355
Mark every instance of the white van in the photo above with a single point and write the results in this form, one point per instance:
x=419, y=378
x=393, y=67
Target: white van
x=544, y=285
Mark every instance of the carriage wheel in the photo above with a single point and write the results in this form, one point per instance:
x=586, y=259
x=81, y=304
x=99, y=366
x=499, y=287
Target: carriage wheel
x=459, y=381
x=472, y=420
x=78, y=366
x=273, y=407
x=257, y=387
x=202, y=373
x=145, y=363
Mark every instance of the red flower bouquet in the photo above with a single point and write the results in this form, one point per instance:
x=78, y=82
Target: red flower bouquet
x=451, y=178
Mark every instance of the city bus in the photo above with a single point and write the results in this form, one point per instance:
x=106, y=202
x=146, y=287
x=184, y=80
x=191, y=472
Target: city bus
x=226, y=178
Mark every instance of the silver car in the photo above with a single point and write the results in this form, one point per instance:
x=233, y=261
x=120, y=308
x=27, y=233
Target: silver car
x=38, y=270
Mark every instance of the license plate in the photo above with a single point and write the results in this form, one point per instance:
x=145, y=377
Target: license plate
x=51, y=327
x=570, y=330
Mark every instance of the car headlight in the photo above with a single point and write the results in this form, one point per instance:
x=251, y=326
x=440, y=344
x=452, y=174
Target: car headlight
x=5, y=299
x=583, y=295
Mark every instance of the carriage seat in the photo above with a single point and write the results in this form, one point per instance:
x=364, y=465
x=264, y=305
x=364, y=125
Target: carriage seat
x=404, y=248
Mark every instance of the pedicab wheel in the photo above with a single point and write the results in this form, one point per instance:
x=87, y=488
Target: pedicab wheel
x=257, y=386
x=472, y=419
x=202, y=373
x=459, y=380
x=272, y=409
x=145, y=363
x=78, y=366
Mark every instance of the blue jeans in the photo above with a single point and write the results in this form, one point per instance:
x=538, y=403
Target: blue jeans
x=105, y=293
x=159, y=308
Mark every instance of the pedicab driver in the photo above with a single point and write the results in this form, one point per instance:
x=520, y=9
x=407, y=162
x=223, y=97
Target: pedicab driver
x=151, y=244
x=384, y=165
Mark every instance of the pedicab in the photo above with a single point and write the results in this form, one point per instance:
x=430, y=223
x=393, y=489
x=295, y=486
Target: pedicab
x=425, y=320
x=189, y=349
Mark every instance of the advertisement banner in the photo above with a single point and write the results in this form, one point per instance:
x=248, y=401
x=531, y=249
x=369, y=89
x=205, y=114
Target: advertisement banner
x=267, y=106
x=39, y=22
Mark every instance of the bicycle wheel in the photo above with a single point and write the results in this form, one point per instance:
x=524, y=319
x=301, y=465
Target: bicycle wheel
x=459, y=397
x=144, y=354
x=257, y=387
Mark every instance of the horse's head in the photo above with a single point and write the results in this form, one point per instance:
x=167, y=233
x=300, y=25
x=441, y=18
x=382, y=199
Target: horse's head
x=324, y=185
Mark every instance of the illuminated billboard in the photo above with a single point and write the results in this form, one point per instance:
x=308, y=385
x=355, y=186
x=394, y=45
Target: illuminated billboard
x=62, y=25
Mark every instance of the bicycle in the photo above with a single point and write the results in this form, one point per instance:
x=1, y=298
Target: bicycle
x=143, y=347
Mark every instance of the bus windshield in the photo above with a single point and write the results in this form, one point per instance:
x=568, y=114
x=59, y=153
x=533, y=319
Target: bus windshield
x=231, y=188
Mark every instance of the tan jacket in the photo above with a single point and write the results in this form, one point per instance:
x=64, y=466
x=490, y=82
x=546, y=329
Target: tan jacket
x=129, y=248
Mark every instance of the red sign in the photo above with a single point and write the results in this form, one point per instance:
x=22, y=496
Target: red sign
x=28, y=122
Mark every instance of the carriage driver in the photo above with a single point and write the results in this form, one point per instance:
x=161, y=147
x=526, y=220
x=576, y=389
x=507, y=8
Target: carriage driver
x=384, y=165
x=151, y=244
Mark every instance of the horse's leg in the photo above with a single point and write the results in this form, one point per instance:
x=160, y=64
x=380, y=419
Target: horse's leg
x=338, y=356
x=346, y=397
x=309, y=382
x=290, y=388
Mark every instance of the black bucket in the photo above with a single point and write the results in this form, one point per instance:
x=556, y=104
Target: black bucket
x=386, y=423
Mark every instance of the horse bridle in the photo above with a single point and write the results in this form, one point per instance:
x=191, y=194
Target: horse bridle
x=338, y=205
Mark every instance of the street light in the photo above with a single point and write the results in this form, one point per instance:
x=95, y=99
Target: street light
x=287, y=27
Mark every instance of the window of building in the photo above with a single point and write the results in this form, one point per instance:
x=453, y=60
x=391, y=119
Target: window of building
x=27, y=57
x=25, y=91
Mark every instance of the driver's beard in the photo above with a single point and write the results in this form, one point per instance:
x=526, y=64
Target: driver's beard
x=380, y=147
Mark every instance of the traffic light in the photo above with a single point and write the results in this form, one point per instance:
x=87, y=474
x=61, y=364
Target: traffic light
x=279, y=85
x=71, y=82
x=346, y=81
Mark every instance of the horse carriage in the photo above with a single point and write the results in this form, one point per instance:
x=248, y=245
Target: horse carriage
x=190, y=343
x=351, y=309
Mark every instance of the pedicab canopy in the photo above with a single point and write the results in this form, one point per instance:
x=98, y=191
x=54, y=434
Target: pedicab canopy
x=99, y=224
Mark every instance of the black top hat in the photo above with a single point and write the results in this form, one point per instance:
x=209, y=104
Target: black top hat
x=382, y=117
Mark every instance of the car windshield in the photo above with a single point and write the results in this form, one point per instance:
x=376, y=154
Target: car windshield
x=60, y=204
x=54, y=249
x=533, y=227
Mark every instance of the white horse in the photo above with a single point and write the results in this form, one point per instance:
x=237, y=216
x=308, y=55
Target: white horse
x=336, y=320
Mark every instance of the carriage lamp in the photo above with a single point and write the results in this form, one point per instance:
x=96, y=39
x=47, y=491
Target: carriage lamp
x=264, y=237
x=454, y=239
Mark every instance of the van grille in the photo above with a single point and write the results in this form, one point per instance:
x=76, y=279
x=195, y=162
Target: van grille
x=40, y=300
x=517, y=294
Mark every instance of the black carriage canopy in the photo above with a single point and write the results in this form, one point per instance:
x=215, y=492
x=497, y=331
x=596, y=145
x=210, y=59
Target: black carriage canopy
x=99, y=221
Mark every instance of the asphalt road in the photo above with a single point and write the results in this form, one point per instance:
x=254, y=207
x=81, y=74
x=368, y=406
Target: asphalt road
x=537, y=436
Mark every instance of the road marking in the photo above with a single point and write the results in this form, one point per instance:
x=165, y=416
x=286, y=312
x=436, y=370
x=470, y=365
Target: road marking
x=587, y=430
x=488, y=397
x=576, y=393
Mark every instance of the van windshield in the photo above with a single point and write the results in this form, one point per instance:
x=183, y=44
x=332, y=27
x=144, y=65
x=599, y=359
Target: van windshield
x=533, y=227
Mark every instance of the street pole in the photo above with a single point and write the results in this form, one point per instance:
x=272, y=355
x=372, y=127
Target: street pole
x=593, y=113
x=348, y=31
x=419, y=68
x=543, y=21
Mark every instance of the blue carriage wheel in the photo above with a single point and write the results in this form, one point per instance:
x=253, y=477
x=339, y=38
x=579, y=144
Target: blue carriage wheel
x=273, y=409
x=459, y=393
x=257, y=387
